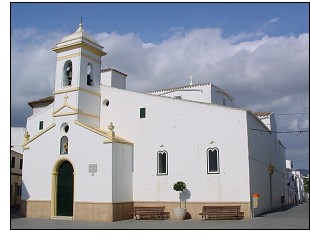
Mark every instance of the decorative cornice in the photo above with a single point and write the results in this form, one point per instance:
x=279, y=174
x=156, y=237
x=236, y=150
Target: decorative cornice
x=106, y=134
x=76, y=89
x=79, y=44
x=78, y=55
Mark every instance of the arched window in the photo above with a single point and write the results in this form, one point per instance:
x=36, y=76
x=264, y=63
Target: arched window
x=89, y=75
x=213, y=160
x=162, y=163
x=67, y=74
x=64, y=145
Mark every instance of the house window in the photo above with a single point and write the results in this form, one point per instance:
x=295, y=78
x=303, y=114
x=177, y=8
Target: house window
x=162, y=163
x=13, y=162
x=40, y=125
x=67, y=74
x=142, y=112
x=213, y=161
x=19, y=190
x=89, y=75
x=21, y=164
x=64, y=145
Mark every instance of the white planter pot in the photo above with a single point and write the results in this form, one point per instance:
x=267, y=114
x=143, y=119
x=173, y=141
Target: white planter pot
x=180, y=213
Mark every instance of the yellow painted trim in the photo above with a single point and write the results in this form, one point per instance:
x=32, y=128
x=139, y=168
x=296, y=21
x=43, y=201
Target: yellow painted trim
x=75, y=111
x=68, y=56
x=54, y=176
x=89, y=91
x=88, y=114
x=65, y=104
x=104, y=133
x=78, y=55
x=79, y=44
x=66, y=90
x=76, y=89
x=38, y=135
x=91, y=58
x=64, y=114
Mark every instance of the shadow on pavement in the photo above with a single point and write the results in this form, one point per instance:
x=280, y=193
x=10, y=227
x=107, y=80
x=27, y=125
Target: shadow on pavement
x=282, y=209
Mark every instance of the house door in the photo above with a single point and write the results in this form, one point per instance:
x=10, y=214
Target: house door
x=65, y=190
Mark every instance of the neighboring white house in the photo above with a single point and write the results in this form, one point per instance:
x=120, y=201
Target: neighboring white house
x=299, y=178
x=16, y=163
x=94, y=150
x=292, y=191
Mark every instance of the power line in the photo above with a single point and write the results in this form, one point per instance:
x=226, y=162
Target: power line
x=278, y=114
x=297, y=131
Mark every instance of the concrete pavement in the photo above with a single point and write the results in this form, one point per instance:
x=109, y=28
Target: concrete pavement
x=289, y=217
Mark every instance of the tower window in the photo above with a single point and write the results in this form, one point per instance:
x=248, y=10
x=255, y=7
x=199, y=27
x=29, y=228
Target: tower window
x=142, y=112
x=67, y=74
x=21, y=164
x=89, y=75
x=64, y=145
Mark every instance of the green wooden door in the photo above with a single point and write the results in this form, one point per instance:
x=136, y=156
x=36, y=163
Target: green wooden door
x=65, y=190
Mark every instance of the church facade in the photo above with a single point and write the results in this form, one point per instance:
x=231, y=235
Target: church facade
x=94, y=150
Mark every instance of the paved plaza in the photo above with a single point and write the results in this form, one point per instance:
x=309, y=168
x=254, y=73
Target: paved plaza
x=289, y=217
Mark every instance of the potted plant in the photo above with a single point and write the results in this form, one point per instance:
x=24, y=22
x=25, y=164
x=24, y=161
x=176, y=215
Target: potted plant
x=180, y=212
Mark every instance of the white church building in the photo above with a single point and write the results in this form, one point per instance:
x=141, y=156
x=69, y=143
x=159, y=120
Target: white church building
x=94, y=150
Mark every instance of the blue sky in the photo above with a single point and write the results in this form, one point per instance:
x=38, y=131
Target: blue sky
x=259, y=53
x=153, y=21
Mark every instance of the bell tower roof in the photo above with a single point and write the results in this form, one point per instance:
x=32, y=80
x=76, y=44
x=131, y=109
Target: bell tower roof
x=78, y=38
x=79, y=34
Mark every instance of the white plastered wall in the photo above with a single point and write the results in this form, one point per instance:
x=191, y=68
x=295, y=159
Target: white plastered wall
x=185, y=130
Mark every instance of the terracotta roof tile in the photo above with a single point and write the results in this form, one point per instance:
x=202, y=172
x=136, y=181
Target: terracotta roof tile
x=46, y=100
x=262, y=114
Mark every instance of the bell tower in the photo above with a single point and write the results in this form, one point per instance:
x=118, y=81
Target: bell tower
x=77, y=79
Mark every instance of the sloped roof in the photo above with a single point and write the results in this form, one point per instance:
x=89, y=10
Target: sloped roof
x=262, y=114
x=179, y=88
x=47, y=100
x=79, y=33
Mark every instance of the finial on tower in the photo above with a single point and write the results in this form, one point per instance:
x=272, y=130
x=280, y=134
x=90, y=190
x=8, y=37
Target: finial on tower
x=81, y=21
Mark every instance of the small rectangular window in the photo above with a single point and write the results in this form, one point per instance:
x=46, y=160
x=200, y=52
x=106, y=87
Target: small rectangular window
x=162, y=163
x=21, y=164
x=142, y=112
x=19, y=190
x=41, y=125
x=213, y=160
x=13, y=162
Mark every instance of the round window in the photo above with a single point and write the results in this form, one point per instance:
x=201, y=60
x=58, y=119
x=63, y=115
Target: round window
x=106, y=102
x=64, y=128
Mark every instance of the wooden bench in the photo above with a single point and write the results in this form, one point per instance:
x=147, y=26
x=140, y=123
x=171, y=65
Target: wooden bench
x=209, y=212
x=149, y=213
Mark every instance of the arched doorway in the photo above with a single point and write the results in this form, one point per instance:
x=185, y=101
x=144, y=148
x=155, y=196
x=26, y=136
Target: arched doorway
x=65, y=184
